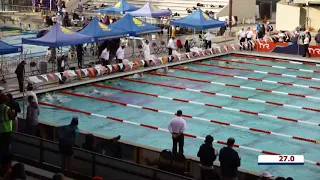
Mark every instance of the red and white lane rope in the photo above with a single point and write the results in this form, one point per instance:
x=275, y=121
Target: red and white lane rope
x=165, y=130
x=275, y=60
x=266, y=65
x=246, y=78
x=208, y=120
x=222, y=95
x=237, y=86
x=256, y=71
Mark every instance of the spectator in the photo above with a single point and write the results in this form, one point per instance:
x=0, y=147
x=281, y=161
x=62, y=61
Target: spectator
x=18, y=173
x=120, y=53
x=65, y=20
x=58, y=176
x=208, y=38
x=265, y=176
x=20, y=75
x=31, y=93
x=109, y=145
x=79, y=49
x=187, y=46
x=32, y=116
x=6, y=116
x=207, y=155
x=229, y=161
x=269, y=29
x=171, y=45
x=67, y=136
x=280, y=178
x=16, y=108
x=289, y=178
x=176, y=127
x=317, y=38
x=306, y=43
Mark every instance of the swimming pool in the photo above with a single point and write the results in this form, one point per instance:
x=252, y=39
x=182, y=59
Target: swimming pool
x=264, y=104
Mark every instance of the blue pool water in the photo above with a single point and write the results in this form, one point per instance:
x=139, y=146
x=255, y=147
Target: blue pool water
x=252, y=139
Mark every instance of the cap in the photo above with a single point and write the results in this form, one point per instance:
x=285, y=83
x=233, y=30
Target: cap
x=289, y=178
x=266, y=174
x=179, y=113
x=209, y=139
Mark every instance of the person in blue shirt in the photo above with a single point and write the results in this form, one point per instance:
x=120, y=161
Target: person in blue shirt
x=67, y=136
x=258, y=28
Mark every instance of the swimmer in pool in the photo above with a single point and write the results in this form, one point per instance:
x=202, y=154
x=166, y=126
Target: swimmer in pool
x=53, y=98
x=138, y=76
x=104, y=94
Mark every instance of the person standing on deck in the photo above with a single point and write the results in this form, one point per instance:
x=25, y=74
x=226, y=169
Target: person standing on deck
x=171, y=45
x=20, y=75
x=120, y=53
x=242, y=37
x=177, y=127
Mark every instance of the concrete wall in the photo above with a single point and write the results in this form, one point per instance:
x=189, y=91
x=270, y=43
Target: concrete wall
x=288, y=17
x=313, y=13
x=241, y=8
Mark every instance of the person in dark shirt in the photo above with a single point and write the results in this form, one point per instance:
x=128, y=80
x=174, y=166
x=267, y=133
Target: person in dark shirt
x=229, y=161
x=16, y=107
x=79, y=49
x=20, y=75
x=207, y=155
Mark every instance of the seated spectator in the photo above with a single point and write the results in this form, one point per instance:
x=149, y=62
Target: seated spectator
x=280, y=178
x=265, y=176
x=207, y=155
x=229, y=161
x=281, y=36
x=97, y=178
x=58, y=176
x=18, y=173
x=67, y=136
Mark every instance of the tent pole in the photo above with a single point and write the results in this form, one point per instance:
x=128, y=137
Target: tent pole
x=23, y=95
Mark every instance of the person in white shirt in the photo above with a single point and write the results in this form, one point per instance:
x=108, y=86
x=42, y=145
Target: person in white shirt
x=105, y=57
x=177, y=127
x=120, y=54
x=281, y=36
x=242, y=36
x=208, y=38
x=306, y=42
x=249, y=35
x=146, y=50
x=171, y=45
x=31, y=93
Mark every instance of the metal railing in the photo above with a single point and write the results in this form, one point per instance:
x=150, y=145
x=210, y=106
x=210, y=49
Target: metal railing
x=43, y=153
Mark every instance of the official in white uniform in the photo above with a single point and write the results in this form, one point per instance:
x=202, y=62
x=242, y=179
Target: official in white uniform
x=249, y=35
x=208, y=38
x=242, y=37
x=120, y=53
x=171, y=45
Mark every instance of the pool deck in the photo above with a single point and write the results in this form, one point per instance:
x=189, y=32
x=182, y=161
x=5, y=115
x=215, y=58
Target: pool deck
x=12, y=84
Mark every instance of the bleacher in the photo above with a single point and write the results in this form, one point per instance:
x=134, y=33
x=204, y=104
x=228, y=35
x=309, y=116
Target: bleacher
x=178, y=6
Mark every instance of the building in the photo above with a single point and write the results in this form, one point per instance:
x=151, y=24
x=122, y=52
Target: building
x=296, y=13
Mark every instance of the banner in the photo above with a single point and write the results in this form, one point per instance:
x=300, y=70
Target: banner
x=286, y=48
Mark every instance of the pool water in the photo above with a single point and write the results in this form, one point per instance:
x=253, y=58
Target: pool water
x=200, y=128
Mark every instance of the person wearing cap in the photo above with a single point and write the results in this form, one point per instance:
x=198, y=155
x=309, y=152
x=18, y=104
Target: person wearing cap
x=120, y=53
x=207, y=155
x=176, y=127
x=265, y=176
x=229, y=161
x=67, y=136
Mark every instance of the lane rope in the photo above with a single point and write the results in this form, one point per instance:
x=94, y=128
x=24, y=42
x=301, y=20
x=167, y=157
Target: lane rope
x=204, y=119
x=256, y=71
x=165, y=130
x=237, y=86
x=222, y=95
x=266, y=65
x=246, y=78
x=275, y=60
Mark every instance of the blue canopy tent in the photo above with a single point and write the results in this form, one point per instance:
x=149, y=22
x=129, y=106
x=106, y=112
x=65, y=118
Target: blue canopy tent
x=101, y=32
x=59, y=36
x=8, y=49
x=198, y=20
x=149, y=10
x=120, y=8
x=134, y=26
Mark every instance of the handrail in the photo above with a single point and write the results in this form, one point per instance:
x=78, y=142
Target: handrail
x=94, y=157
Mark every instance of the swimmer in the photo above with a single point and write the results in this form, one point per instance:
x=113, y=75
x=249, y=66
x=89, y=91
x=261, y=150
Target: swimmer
x=104, y=94
x=53, y=98
x=138, y=76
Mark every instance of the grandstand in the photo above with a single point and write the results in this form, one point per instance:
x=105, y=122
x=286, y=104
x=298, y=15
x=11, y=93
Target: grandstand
x=219, y=7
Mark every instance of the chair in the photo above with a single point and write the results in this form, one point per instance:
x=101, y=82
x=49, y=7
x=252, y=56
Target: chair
x=34, y=68
x=140, y=48
x=155, y=48
x=163, y=47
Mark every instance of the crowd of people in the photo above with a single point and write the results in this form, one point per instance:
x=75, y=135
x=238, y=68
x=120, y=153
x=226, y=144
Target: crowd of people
x=229, y=158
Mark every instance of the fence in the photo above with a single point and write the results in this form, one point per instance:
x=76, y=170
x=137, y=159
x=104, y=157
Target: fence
x=45, y=154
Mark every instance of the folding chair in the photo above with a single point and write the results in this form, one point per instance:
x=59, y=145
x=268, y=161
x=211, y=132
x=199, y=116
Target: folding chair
x=163, y=47
x=140, y=51
x=34, y=68
x=155, y=48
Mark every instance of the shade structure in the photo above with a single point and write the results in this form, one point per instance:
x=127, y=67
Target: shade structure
x=120, y=8
x=149, y=10
x=59, y=36
x=134, y=26
x=8, y=49
x=101, y=32
x=198, y=20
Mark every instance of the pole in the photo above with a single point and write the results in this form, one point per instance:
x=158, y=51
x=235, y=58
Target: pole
x=230, y=14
